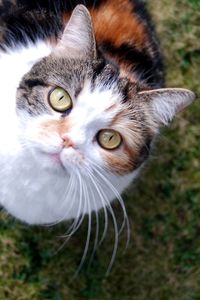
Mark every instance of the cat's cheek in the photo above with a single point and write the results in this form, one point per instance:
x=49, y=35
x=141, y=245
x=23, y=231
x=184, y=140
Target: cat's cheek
x=119, y=162
x=41, y=143
x=40, y=137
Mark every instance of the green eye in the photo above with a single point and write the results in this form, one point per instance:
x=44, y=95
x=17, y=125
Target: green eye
x=60, y=100
x=109, y=139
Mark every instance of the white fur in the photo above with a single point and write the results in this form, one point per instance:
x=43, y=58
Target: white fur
x=14, y=63
x=33, y=187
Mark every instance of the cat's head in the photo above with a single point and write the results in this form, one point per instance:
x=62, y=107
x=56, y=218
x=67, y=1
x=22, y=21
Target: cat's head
x=81, y=115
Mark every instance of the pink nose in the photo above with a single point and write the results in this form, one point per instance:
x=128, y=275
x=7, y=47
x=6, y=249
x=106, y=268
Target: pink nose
x=67, y=142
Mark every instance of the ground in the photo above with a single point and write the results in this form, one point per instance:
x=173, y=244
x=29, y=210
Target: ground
x=163, y=257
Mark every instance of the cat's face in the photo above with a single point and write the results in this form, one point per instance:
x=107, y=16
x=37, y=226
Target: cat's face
x=76, y=120
x=85, y=128
x=80, y=112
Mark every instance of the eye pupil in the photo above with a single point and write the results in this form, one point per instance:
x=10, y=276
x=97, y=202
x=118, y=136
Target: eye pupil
x=61, y=98
x=111, y=138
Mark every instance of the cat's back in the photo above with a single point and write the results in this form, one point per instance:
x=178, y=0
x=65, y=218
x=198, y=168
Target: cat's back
x=123, y=31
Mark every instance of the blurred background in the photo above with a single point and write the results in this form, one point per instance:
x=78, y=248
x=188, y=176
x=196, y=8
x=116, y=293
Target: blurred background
x=162, y=261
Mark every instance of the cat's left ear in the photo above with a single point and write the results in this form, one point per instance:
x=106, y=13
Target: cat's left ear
x=164, y=104
x=77, y=40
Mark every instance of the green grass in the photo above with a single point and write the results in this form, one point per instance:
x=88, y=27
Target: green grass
x=163, y=259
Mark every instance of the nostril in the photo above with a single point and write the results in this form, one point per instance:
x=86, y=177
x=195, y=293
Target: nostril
x=67, y=142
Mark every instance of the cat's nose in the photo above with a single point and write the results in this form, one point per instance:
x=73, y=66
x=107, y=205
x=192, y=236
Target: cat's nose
x=67, y=142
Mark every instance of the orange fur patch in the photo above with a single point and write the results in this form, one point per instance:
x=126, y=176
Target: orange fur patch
x=59, y=127
x=119, y=162
x=114, y=22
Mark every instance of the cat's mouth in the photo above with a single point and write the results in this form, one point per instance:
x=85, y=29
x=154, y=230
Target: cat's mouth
x=66, y=159
x=49, y=160
x=56, y=158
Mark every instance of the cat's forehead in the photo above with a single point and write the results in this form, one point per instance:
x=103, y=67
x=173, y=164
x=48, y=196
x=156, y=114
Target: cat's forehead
x=97, y=100
x=68, y=72
x=93, y=87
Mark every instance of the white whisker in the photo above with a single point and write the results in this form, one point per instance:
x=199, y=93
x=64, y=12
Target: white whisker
x=119, y=198
x=102, y=196
x=80, y=212
x=85, y=194
x=105, y=213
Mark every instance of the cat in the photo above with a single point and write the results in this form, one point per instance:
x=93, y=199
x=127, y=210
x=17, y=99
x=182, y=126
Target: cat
x=82, y=101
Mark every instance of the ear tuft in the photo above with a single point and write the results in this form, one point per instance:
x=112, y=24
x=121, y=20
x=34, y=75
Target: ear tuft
x=166, y=103
x=78, y=39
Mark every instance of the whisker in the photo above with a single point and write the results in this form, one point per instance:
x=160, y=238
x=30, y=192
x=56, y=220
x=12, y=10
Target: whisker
x=77, y=221
x=101, y=194
x=119, y=198
x=105, y=215
x=80, y=216
x=67, y=195
x=97, y=226
x=88, y=232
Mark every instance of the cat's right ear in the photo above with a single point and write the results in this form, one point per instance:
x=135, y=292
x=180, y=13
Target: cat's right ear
x=77, y=40
x=165, y=103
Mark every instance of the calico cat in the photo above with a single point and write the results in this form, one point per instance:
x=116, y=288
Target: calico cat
x=82, y=100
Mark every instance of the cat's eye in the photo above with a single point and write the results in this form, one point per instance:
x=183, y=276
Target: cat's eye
x=60, y=100
x=109, y=139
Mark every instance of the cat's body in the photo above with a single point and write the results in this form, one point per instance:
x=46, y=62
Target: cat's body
x=60, y=164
